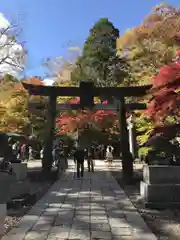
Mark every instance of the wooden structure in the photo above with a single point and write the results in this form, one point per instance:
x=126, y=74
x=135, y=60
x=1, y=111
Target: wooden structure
x=86, y=91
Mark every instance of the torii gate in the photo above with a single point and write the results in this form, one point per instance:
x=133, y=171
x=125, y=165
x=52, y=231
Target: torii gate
x=87, y=91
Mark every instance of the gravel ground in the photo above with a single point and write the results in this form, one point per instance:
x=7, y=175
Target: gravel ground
x=14, y=216
x=165, y=224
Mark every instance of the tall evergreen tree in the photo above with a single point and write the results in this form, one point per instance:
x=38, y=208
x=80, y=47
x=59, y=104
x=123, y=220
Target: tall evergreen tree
x=99, y=62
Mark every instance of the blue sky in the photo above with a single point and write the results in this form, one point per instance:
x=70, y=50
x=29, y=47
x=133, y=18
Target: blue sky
x=50, y=27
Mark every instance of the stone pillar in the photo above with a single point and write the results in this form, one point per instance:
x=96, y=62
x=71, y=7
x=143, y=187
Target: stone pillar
x=127, y=161
x=48, y=158
x=132, y=137
x=3, y=213
x=160, y=187
x=6, y=180
x=20, y=170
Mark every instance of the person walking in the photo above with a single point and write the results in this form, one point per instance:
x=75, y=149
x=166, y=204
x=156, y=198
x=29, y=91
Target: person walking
x=101, y=151
x=23, y=151
x=15, y=148
x=79, y=156
x=109, y=154
x=41, y=153
x=30, y=153
x=54, y=156
x=90, y=159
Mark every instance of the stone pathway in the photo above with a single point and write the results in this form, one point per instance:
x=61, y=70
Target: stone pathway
x=94, y=208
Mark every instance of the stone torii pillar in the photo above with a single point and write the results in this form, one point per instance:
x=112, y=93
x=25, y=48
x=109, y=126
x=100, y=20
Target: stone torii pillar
x=132, y=136
x=127, y=161
x=49, y=139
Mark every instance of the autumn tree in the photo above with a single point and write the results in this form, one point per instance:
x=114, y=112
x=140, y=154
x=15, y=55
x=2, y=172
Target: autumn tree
x=148, y=47
x=99, y=62
x=17, y=117
x=158, y=131
x=152, y=44
x=7, y=87
x=164, y=106
x=101, y=121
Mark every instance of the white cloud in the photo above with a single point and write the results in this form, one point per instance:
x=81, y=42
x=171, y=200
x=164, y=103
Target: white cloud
x=75, y=49
x=48, y=81
x=12, y=54
x=4, y=23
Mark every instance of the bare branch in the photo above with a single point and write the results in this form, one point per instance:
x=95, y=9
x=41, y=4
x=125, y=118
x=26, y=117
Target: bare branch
x=3, y=60
x=60, y=68
x=4, y=31
x=12, y=54
x=13, y=65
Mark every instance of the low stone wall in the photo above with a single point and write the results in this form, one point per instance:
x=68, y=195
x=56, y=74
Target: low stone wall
x=20, y=170
x=160, y=187
x=17, y=189
x=6, y=180
x=15, y=184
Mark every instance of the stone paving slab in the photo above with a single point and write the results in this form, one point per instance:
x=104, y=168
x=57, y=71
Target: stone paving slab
x=89, y=209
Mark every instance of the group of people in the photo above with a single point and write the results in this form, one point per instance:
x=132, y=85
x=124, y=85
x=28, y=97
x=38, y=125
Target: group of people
x=22, y=151
x=90, y=154
x=59, y=153
x=12, y=152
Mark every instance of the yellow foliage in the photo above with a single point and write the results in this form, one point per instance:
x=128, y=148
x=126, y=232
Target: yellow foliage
x=64, y=84
x=162, y=24
x=152, y=44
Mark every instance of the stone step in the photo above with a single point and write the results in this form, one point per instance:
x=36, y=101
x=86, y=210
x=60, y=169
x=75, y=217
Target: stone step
x=18, y=189
x=162, y=205
x=154, y=174
x=161, y=193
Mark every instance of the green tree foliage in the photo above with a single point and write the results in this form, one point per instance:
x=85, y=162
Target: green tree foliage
x=99, y=61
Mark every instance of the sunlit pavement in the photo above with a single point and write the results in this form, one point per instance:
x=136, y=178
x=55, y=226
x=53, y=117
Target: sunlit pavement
x=34, y=164
x=91, y=208
x=116, y=163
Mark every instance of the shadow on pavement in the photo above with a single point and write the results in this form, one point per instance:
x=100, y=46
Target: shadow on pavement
x=91, y=208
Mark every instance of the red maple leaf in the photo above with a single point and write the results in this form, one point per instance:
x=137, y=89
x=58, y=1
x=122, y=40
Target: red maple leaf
x=165, y=90
x=100, y=118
